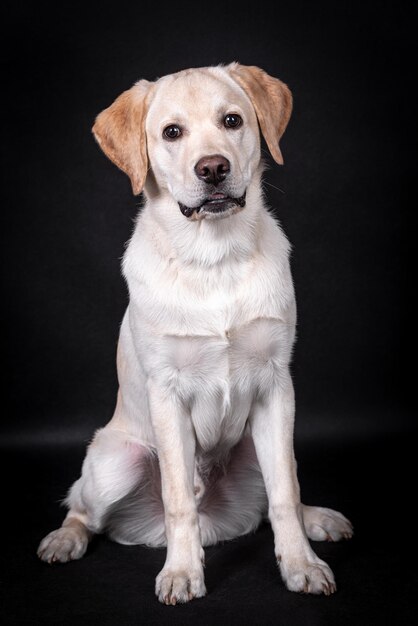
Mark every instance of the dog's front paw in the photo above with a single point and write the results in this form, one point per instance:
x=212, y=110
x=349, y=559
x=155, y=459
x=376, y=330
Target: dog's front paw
x=308, y=577
x=174, y=586
x=62, y=545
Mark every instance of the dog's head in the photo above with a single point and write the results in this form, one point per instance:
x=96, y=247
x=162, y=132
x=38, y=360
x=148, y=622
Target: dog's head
x=195, y=134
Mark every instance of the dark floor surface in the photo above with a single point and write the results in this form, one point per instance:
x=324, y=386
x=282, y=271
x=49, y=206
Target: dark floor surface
x=113, y=584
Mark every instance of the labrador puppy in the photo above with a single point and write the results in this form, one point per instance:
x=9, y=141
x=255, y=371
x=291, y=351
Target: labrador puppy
x=200, y=447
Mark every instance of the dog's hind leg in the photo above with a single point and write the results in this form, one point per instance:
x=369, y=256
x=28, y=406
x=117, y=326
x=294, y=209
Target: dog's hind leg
x=235, y=502
x=113, y=467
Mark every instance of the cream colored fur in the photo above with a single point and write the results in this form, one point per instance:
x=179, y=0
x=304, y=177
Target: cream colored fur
x=200, y=447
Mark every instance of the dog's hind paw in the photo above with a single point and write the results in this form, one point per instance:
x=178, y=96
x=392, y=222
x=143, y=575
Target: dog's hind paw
x=323, y=524
x=63, y=545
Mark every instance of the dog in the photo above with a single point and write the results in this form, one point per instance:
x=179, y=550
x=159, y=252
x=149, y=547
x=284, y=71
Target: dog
x=200, y=447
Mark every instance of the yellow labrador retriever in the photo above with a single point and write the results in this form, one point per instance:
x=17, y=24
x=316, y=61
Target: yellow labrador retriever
x=200, y=447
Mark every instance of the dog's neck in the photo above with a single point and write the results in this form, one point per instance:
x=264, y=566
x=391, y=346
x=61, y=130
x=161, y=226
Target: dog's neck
x=207, y=242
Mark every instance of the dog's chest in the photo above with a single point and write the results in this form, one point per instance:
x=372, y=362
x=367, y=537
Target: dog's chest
x=219, y=378
x=215, y=339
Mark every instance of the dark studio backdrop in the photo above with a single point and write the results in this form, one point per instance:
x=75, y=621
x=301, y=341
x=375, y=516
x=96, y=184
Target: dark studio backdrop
x=342, y=198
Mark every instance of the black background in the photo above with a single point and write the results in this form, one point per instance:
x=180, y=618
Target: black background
x=342, y=198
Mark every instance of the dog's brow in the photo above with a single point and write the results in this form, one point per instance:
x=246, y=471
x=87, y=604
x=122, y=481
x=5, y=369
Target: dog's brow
x=175, y=117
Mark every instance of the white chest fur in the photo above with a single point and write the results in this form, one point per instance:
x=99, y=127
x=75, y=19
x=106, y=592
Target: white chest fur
x=218, y=378
x=216, y=335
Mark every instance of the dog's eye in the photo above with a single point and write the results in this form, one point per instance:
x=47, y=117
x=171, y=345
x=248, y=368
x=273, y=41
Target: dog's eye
x=232, y=120
x=172, y=132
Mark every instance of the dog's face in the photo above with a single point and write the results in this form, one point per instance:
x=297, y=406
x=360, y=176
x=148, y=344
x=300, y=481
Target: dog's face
x=197, y=131
x=203, y=142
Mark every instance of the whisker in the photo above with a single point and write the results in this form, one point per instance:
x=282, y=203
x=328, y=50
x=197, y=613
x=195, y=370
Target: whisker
x=274, y=186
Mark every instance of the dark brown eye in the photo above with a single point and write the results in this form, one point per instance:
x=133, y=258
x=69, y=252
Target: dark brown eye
x=232, y=120
x=172, y=132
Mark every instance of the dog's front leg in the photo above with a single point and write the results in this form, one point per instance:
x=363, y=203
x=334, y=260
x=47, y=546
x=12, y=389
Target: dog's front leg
x=181, y=578
x=272, y=429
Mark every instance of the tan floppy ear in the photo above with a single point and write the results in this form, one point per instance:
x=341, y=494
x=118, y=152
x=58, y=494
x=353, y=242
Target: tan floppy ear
x=120, y=132
x=272, y=101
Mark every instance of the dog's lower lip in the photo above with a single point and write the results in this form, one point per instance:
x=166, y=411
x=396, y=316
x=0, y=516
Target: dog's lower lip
x=220, y=199
x=214, y=203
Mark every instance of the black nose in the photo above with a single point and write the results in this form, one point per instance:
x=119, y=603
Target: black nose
x=212, y=169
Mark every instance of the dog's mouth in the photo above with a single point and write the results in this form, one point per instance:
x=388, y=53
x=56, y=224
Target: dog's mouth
x=215, y=203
